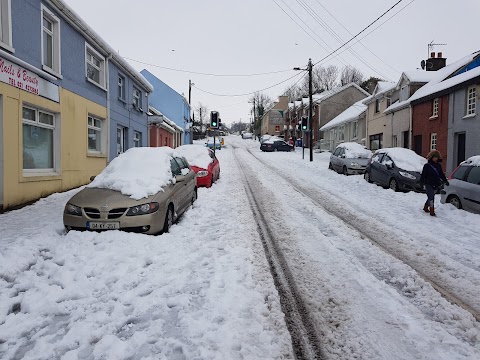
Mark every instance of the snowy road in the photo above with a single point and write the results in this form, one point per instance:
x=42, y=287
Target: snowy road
x=359, y=272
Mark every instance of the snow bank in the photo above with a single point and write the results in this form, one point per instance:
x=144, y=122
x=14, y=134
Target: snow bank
x=139, y=172
x=354, y=150
x=196, y=155
x=405, y=159
x=474, y=160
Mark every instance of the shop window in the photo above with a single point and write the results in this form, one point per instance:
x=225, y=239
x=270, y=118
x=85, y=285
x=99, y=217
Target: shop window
x=376, y=142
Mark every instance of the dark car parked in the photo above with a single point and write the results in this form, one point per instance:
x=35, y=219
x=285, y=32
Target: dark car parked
x=396, y=168
x=464, y=189
x=276, y=145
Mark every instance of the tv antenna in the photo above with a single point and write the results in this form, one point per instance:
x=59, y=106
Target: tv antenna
x=431, y=46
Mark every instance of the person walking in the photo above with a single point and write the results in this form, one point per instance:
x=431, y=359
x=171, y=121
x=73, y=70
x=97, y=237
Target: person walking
x=432, y=178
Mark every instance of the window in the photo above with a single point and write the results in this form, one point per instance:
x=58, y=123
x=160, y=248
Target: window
x=433, y=141
x=137, y=139
x=354, y=129
x=460, y=173
x=474, y=175
x=471, y=100
x=376, y=142
x=341, y=133
x=38, y=129
x=121, y=87
x=277, y=128
x=377, y=106
x=332, y=134
x=137, y=99
x=175, y=167
x=6, y=24
x=50, y=41
x=394, y=141
x=94, y=134
x=389, y=102
x=404, y=93
x=95, y=66
x=122, y=143
x=435, y=108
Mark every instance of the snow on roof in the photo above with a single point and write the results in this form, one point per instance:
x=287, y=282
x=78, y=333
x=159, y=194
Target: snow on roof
x=317, y=98
x=83, y=27
x=405, y=159
x=381, y=88
x=474, y=160
x=440, y=75
x=196, y=155
x=138, y=172
x=352, y=113
x=354, y=150
x=446, y=84
x=418, y=76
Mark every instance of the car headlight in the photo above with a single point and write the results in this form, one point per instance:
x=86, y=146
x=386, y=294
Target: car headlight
x=73, y=210
x=354, y=164
x=407, y=175
x=202, y=173
x=143, y=209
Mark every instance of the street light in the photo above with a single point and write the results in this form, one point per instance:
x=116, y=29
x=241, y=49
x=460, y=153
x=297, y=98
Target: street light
x=310, y=105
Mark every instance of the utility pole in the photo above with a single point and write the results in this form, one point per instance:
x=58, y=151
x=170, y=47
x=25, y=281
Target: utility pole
x=189, y=104
x=201, y=123
x=310, y=116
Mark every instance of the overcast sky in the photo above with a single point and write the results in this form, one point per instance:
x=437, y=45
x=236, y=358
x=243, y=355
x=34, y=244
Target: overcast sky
x=257, y=36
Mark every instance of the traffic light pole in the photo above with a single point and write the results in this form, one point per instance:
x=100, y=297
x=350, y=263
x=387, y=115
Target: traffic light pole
x=310, y=115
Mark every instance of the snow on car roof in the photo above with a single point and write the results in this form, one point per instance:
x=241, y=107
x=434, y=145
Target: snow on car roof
x=405, y=159
x=354, y=150
x=474, y=160
x=196, y=155
x=138, y=173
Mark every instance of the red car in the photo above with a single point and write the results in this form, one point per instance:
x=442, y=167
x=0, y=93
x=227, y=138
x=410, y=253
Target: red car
x=202, y=160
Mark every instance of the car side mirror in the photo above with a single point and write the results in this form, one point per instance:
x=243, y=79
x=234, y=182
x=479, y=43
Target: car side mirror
x=180, y=178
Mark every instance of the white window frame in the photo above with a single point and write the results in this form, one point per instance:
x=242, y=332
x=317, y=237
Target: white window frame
x=102, y=130
x=394, y=141
x=137, y=138
x=433, y=141
x=355, y=130
x=101, y=69
x=56, y=140
x=121, y=87
x=471, y=100
x=435, y=107
x=6, y=25
x=137, y=98
x=56, y=68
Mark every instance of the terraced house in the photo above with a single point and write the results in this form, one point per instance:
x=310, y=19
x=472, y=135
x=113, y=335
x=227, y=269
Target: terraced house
x=68, y=102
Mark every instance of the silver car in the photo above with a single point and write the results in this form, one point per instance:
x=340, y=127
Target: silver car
x=101, y=209
x=464, y=189
x=350, y=159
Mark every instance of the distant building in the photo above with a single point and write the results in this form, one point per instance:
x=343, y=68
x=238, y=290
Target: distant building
x=272, y=120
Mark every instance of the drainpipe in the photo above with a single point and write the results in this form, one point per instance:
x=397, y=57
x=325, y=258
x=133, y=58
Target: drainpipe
x=410, y=133
x=107, y=72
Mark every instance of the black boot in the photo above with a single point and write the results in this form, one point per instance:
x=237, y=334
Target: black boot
x=425, y=207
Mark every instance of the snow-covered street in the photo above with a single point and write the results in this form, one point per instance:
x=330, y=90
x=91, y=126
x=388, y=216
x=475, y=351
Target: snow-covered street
x=379, y=278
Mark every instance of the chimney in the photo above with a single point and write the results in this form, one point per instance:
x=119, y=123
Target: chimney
x=436, y=63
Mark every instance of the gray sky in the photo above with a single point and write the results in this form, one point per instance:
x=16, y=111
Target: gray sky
x=256, y=36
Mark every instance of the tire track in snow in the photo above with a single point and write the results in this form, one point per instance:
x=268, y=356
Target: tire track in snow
x=305, y=340
x=379, y=235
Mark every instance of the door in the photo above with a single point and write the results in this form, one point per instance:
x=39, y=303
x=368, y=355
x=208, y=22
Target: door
x=176, y=194
x=460, y=141
x=335, y=158
x=375, y=167
x=472, y=189
x=385, y=171
x=187, y=186
x=121, y=139
x=406, y=144
x=417, y=144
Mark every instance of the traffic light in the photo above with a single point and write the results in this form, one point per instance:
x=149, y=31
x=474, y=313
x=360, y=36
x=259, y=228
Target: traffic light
x=304, y=123
x=214, y=119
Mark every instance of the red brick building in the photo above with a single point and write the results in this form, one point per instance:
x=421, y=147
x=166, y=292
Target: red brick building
x=430, y=126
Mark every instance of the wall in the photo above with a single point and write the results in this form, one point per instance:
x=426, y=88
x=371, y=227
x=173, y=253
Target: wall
x=160, y=137
x=377, y=123
x=423, y=124
x=399, y=122
x=459, y=124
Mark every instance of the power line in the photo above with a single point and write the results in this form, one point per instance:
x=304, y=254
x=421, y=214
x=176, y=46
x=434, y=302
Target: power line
x=208, y=74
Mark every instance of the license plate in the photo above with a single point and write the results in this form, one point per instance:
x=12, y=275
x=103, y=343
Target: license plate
x=103, y=225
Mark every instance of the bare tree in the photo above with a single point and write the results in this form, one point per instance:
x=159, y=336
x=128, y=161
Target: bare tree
x=262, y=103
x=351, y=74
x=201, y=111
x=326, y=77
x=293, y=93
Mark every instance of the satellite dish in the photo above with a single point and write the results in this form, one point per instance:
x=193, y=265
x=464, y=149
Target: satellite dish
x=422, y=64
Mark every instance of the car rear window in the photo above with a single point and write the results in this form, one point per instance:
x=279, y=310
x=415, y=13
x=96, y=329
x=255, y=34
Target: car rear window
x=460, y=173
x=474, y=175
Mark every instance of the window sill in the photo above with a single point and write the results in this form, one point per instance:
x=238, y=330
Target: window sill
x=122, y=100
x=96, y=84
x=7, y=47
x=434, y=117
x=469, y=116
x=96, y=155
x=52, y=72
x=40, y=176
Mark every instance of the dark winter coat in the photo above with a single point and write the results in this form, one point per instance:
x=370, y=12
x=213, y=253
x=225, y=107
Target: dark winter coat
x=432, y=177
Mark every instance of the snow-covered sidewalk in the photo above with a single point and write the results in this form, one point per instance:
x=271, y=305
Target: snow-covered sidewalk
x=203, y=291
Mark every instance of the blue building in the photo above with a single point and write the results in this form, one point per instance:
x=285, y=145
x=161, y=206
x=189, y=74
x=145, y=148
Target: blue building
x=65, y=98
x=170, y=103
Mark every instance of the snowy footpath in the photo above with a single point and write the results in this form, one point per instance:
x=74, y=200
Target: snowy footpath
x=379, y=278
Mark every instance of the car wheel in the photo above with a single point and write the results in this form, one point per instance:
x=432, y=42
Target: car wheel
x=168, y=219
x=455, y=201
x=393, y=185
x=194, y=196
x=345, y=171
x=330, y=167
x=366, y=176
